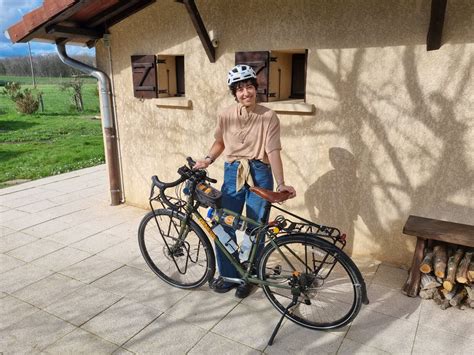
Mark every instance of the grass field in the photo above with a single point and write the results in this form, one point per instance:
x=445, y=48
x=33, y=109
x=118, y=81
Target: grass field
x=50, y=142
x=26, y=80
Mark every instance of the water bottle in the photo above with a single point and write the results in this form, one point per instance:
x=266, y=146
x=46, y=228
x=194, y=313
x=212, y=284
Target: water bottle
x=225, y=239
x=245, y=248
x=226, y=219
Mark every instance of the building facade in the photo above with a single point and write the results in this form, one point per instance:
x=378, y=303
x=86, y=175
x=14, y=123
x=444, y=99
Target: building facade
x=374, y=127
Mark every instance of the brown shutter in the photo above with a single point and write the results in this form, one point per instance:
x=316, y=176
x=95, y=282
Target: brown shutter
x=260, y=62
x=144, y=76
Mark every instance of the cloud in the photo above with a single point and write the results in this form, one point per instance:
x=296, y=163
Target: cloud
x=12, y=11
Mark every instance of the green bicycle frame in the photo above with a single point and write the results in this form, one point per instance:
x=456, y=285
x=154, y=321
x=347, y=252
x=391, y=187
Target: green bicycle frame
x=245, y=274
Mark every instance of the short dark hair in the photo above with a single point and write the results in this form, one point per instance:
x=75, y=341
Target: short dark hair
x=234, y=86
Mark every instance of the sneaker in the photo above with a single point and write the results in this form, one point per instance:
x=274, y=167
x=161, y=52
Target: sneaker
x=220, y=286
x=243, y=290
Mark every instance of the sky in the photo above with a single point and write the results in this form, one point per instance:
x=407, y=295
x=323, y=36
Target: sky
x=11, y=11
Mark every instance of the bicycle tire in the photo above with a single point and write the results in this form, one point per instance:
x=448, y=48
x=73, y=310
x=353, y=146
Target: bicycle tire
x=187, y=265
x=334, y=295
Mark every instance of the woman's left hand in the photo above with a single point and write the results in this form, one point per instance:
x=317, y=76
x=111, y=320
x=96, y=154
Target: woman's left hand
x=286, y=188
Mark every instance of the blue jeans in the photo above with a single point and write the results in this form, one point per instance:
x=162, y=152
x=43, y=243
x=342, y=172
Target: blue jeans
x=256, y=207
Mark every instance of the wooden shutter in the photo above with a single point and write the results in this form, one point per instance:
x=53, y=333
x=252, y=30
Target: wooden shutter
x=144, y=76
x=260, y=62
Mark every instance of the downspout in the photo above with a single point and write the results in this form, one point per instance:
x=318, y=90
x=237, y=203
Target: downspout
x=111, y=148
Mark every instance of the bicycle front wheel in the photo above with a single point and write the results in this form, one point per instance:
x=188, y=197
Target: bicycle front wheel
x=186, y=262
x=329, y=282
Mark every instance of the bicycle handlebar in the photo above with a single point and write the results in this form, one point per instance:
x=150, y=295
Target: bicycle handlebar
x=186, y=173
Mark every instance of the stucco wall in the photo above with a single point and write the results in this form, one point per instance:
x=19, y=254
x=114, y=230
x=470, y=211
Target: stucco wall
x=392, y=133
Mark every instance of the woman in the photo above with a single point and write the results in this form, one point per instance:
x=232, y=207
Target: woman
x=249, y=136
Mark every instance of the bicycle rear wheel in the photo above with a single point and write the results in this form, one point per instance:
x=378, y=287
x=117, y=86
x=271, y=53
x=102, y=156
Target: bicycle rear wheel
x=330, y=282
x=185, y=264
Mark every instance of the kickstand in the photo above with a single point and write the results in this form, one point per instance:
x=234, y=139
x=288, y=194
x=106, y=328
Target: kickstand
x=277, y=328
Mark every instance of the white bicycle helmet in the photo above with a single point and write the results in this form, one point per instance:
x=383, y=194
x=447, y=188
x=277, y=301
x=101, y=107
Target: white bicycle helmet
x=240, y=72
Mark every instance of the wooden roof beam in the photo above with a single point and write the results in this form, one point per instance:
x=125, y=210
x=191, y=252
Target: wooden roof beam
x=200, y=28
x=73, y=32
x=119, y=11
x=435, y=31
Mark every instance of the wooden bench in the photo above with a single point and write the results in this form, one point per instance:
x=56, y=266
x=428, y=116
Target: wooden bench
x=432, y=229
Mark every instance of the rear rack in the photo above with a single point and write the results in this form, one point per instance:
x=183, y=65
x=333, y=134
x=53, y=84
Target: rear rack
x=303, y=226
x=323, y=262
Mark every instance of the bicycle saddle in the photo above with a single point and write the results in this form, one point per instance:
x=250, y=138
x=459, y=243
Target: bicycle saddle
x=271, y=196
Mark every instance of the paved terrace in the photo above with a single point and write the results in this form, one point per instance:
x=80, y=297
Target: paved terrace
x=73, y=281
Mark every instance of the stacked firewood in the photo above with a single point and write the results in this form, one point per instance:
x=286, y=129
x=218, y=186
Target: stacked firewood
x=448, y=276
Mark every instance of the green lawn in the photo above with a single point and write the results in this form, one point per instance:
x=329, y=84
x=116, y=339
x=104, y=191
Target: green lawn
x=51, y=142
x=26, y=80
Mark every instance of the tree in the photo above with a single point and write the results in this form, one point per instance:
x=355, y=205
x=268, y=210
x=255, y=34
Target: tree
x=74, y=86
x=26, y=100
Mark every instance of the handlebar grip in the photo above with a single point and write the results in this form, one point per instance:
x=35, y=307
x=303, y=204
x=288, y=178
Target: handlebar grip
x=164, y=185
x=211, y=180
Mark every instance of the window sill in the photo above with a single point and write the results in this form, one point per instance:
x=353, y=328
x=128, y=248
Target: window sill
x=293, y=106
x=178, y=102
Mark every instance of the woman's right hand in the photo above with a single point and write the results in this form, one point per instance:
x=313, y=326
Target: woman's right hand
x=202, y=164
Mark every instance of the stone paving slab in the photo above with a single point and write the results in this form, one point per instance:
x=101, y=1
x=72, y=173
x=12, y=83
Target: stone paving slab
x=91, y=269
x=81, y=342
x=73, y=281
x=82, y=305
x=121, y=321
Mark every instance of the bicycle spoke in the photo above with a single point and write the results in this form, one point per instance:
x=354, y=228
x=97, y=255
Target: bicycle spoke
x=328, y=296
x=181, y=261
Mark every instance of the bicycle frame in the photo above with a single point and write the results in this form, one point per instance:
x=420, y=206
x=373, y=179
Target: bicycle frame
x=190, y=210
x=290, y=241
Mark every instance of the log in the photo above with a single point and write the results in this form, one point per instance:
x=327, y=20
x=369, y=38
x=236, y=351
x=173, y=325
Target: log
x=429, y=282
x=449, y=294
x=458, y=298
x=453, y=263
x=440, y=259
x=470, y=295
x=470, y=273
x=427, y=294
x=445, y=304
x=438, y=296
x=461, y=273
x=427, y=263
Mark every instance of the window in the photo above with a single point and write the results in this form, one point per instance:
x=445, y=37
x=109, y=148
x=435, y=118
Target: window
x=170, y=75
x=161, y=76
x=281, y=75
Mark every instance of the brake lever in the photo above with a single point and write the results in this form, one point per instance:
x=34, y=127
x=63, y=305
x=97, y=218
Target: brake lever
x=191, y=162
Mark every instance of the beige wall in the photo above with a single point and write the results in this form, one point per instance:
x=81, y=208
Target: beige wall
x=392, y=133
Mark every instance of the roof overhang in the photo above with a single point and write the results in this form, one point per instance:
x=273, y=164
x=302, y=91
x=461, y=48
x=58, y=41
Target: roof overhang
x=85, y=21
x=73, y=21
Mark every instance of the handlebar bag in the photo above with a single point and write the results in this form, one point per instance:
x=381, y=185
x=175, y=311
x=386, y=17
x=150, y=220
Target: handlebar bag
x=208, y=196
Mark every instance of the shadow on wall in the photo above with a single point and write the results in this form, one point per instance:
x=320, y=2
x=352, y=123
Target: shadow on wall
x=410, y=147
x=336, y=209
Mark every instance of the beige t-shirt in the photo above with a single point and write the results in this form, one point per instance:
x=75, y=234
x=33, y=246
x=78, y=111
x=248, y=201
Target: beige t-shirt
x=248, y=136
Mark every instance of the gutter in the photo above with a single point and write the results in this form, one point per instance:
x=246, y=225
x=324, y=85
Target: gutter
x=111, y=146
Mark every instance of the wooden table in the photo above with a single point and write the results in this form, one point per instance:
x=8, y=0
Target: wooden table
x=432, y=229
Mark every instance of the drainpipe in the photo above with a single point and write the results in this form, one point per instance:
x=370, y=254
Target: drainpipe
x=111, y=148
